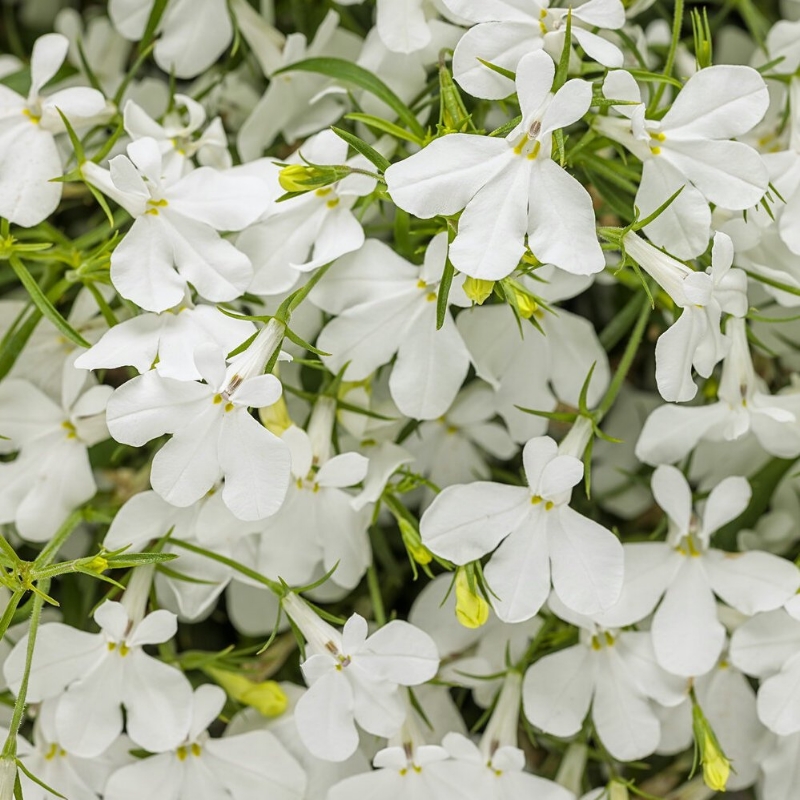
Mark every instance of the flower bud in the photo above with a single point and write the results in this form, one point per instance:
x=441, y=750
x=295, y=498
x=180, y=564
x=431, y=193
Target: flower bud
x=305, y=177
x=98, y=564
x=267, y=697
x=478, y=290
x=526, y=305
x=472, y=610
x=275, y=418
x=716, y=766
x=618, y=791
x=413, y=543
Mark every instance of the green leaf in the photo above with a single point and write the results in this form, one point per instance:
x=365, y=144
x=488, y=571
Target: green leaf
x=15, y=338
x=273, y=586
x=763, y=483
x=360, y=146
x=43, y=304
x=25, y=771
x=382, y=125
x=562, y=68
x=506, y=73
x=348, y=72
x=443, y=293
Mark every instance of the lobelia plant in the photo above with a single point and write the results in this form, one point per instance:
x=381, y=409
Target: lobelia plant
x=399, y=399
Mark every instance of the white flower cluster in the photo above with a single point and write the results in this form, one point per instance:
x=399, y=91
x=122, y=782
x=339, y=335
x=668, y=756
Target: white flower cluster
x=449, y=347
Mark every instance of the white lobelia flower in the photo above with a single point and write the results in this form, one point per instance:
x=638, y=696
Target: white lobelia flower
x=176, y=227
x=543, y=536
x=405, y=26
x=70, y=775
x=102, y=672
x=690, y=147
x=317, y=527
x=456, y=447
x=779, y=767
x=146, y=518
x=695, y=339
x=508, y=187
x=104, y=50
x=353, y=678
x=179, y=137
x=768, y=647
x=496, y=767
x=563, y=352
x=213, y=432
x=506, y=31
x=303, y=233
x=295, y=104
x=52, y=474
x=42, y=359
x=615, y=672
x=239, y=767
x=385, y=305
x=192, y=34
x=320, y=774
x=166, y=342
x=688, y=636
x=743, y=407
x=29, y=157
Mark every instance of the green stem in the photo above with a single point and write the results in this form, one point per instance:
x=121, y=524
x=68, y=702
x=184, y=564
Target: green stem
x=677, y=26
x=56, y=543
x=375, y=596
x=627, y=359
x=273, y=586
x=10, y=746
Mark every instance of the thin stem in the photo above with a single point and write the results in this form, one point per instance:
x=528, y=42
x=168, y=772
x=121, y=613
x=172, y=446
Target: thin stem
x=627, y=359
x=677, y=25
x=10, y=746
x=375, y=595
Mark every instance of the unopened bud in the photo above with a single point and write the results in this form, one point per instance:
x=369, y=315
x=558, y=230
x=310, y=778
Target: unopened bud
x=413, y=543
x=306, y=177
x=478, y=290
x=618, y=791
x=472, y=610
x=275, y=418
x=267, y=697
x=716, y=766
x=98, y=564
x=526, y=305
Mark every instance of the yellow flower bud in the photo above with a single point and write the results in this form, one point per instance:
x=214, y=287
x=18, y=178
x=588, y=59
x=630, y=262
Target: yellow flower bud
x=618, y=791
x=413, y=543
x=716, y=767
x=306, y=177
x=472, y=610
x=276, y=417
x=478, y=290
x=266, y=697
x=295, y=178
x=98, y=564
